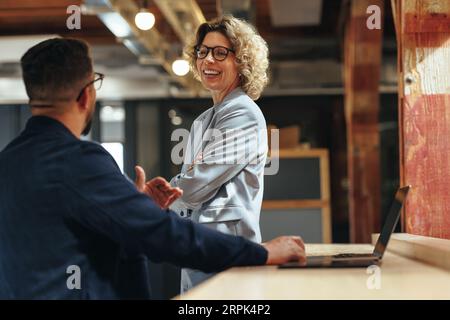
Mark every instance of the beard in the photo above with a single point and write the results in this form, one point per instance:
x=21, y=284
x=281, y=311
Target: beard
x=88, y=126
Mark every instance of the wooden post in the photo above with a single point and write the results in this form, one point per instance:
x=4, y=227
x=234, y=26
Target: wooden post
x=423, y=36
x=362, y=76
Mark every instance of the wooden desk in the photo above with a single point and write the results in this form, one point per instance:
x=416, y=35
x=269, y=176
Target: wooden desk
x=401, y=278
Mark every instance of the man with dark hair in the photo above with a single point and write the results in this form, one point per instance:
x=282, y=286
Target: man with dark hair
x=49, y=66
x=54, y=72
x=71, y=225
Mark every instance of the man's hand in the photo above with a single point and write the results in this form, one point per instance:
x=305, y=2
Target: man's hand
x=158, y=189
x=285, y=249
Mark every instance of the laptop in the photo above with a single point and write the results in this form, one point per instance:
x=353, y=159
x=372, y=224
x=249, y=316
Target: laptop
x=358, y=260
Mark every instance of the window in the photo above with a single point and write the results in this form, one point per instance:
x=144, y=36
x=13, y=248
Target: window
x=112, y=131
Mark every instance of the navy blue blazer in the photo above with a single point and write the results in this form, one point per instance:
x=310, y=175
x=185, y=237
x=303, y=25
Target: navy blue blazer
x=64, y=202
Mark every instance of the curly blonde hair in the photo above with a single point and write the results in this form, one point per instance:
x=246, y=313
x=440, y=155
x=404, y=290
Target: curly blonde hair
x=250, y=49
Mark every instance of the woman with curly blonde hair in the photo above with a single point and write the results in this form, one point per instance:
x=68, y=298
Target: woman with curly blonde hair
x=222, y=176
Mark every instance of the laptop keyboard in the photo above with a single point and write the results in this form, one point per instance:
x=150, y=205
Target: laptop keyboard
x=353, y=255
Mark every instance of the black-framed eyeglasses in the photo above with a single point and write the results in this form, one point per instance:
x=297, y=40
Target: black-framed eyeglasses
x=219, y=53
x=97, y=82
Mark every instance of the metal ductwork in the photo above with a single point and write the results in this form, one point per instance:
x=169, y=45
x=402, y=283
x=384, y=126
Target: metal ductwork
x=243, y=9
x=286, y=13
x=148, y=46
x=184, y=16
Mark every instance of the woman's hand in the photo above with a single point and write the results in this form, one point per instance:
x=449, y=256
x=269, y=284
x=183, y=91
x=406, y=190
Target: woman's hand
x=158, y=189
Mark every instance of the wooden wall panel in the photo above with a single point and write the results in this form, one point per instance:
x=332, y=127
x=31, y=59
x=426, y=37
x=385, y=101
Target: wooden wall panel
x=424, y=114
x=362, y=77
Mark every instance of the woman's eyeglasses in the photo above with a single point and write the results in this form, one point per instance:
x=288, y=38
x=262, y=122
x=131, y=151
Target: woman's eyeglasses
x=219, y=53
x=97, y=82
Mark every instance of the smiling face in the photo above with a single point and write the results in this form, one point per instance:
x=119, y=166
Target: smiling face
x=220, y=77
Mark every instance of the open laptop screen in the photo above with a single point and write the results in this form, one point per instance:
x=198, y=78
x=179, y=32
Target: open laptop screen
x=391, y=221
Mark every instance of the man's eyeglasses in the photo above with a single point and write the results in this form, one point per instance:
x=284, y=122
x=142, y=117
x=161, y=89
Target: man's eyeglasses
x=97, y=82
x=219, y=53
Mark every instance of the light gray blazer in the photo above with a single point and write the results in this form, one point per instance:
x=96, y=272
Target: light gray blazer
x=223, y=171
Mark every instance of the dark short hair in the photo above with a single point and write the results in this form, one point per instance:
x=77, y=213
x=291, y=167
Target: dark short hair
x=56, y=69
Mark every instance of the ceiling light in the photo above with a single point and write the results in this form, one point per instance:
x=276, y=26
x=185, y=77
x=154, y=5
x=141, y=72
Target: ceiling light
x=144, y=19
x=180, y=67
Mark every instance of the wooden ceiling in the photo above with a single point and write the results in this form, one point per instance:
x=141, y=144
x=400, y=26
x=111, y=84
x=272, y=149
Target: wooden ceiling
x=25, y=17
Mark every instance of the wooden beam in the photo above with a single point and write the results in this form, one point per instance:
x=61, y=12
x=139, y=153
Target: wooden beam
x=294, y=204
x=33, y=4
x=361, y=77
x=183, y=16
x=34, y=12
x=424, y=114
x=27, y=17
